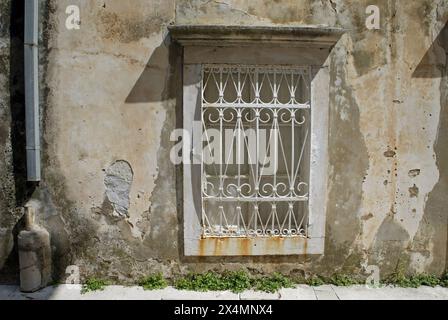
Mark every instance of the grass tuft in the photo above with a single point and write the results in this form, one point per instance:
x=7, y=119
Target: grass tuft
x=400, y=279
x=235, y=281
x=208, y=281
x=238, y=281
x=93, y=284
x=342, y=280
x=444, y=280
x=272, y=283
x=315, y=281
x=153, y=282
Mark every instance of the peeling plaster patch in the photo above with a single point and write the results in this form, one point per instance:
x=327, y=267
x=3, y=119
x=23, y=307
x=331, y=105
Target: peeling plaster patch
x=341, y=100
x=398, y=125
x=234, y=12
x=367, y=216
x=334, y=6
x=389, y=154
x=113, y=26
x=118, y=181
x=413, y=173
x=413, y=191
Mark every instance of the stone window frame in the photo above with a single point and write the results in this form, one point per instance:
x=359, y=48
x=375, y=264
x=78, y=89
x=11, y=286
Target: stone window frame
x=257, y=45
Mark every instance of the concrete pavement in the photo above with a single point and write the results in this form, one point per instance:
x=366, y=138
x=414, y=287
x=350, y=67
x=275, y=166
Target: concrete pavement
x=301, y=292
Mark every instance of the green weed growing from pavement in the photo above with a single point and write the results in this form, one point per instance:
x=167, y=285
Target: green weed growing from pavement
x=343, y=280
x=238, y=281
x=153, y=282
x=93, y=284
x=235, y=281
x=272, y=283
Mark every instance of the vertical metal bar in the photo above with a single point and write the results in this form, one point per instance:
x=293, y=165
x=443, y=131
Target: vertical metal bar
x=291, y=211
x=293, y=115
x=221, y=213
x=275, y=153
x=221, y=92
x=203, y=176
x=32, y=91
x=257, y=164
x=221, y=153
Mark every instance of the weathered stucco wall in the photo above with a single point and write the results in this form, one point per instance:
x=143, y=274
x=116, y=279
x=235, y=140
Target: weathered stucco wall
x=111, y=198
x=12, y=138
x=7, y=188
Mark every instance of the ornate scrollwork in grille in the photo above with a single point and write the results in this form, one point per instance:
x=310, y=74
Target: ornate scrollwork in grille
x=255, y=122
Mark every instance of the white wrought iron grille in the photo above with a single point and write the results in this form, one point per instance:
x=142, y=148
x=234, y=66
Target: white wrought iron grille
x=255, y=155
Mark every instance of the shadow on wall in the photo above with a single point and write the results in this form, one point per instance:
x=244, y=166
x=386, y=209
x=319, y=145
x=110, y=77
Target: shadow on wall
x=154, y=83
x=23, y=189
x=17, y=102
x=429, y=67
x=161, y=80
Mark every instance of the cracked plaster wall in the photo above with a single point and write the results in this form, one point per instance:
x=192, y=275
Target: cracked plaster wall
x=111, y=94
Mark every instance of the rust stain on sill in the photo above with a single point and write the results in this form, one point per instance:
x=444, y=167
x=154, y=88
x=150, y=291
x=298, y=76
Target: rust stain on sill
x=239, y=246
